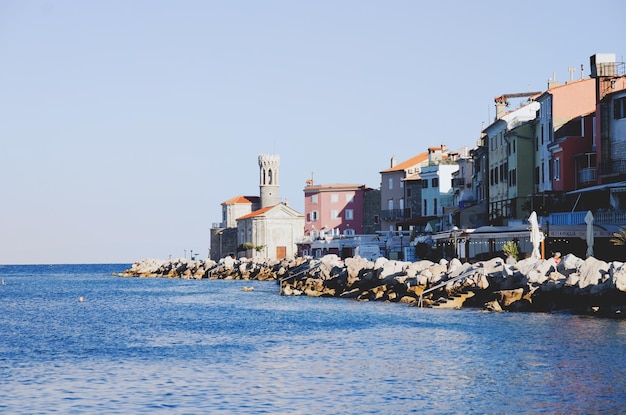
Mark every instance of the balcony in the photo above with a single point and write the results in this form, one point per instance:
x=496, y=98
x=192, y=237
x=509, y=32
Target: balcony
x=394, y=214
x=612, y=217
x=458, y=182
x=588, y=175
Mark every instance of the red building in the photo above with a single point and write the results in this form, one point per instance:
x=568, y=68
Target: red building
x=335, y=209
x=572, y=155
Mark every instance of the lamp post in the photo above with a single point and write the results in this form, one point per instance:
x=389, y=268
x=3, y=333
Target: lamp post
x=455, y=235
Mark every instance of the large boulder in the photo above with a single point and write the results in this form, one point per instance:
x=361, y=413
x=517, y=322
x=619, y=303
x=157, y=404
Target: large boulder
x=592, y=272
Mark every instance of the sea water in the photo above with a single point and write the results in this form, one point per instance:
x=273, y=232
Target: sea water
x=143, y=345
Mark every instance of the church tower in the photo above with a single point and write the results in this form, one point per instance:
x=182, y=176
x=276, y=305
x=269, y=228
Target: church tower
x=269, y=186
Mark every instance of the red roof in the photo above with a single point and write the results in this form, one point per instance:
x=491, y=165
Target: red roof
x=241, y=200
x=412, y=162
x=259, y=212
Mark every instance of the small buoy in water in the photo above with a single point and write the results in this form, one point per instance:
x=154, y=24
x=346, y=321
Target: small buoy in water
x=81, y=299
x=3, y=282
x=247, y=288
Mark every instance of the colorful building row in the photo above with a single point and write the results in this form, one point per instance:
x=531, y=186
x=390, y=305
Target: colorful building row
x=561, y=153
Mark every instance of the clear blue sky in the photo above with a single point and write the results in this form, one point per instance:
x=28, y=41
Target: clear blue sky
x=125, y=124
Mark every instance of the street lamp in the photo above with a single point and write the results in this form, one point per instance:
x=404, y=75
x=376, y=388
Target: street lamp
x=455, y=235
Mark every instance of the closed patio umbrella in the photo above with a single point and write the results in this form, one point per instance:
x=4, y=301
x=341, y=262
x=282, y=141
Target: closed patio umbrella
x=536, y=236
x=589, y=236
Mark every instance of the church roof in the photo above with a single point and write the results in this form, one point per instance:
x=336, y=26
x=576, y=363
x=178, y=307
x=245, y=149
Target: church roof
x=241, y=200
x=281, y=207
x=259, y=212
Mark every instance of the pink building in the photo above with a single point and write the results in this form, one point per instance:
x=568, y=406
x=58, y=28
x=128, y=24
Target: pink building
x=335, y=209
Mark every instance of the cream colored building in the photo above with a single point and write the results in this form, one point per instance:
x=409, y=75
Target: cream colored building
x=271, y=231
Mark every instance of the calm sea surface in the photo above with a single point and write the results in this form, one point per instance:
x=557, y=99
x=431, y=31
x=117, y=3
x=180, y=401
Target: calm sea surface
x=176, y=346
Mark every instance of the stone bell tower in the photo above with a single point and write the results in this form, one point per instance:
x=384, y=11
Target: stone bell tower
x=269, y=185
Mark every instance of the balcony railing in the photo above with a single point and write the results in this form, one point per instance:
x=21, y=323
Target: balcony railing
x=612, y=217
x=458, y=182
x=393, y=214
x=588, y=175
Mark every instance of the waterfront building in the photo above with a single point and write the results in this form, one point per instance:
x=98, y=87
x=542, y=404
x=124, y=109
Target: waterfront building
x=334, y=209
x=498, y=147
x=438, y=193
x=392, y=194
x=270, y=229
x=224, y=234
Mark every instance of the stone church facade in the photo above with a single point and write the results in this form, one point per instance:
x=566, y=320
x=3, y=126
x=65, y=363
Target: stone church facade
x=267, y=227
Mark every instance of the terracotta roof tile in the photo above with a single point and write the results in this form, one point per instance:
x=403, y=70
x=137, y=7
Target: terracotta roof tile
x=259, y=212
x=241, y=200
x=420, y=158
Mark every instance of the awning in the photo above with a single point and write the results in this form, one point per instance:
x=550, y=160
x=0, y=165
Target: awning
x=580, y=231
x=486, y=232
x=617, y=186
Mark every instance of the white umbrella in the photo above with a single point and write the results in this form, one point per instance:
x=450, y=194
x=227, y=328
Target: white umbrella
x=536, y=236
x=589, y=222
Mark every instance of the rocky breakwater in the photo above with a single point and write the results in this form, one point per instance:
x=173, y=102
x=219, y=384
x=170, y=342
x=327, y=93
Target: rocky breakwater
x=581, y=286
x=226, y=268
x=578, y=285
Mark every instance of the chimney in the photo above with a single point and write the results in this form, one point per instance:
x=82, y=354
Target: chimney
x=552, y=82
x=500, y=109
x=393, y=161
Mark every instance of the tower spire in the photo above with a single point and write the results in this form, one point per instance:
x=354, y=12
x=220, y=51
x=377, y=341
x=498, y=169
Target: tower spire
x=269, y=179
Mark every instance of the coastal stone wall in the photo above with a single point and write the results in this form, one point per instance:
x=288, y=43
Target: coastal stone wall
x=584, y=286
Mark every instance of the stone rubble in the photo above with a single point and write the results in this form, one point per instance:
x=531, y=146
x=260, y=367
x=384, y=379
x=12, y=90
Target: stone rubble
x=589, y=286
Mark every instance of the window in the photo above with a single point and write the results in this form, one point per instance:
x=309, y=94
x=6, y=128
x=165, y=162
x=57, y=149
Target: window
x=376, y=220
x=334, y=215
x=408, y=192
x=391, y=183
x=424, y=184
x=314, y=216
x=348, y=232
x=425, y=207
x=349, y=197
x=435, y=182
x=314, y=199
x=543, y=172
x=513, y=177
x=435, y=207
x=557, y=169
x=349, y=214
x=537, y=175
x=401, y=203
x=334, y=198
x=619, y=108
x=550, y=169
x=390, y=204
